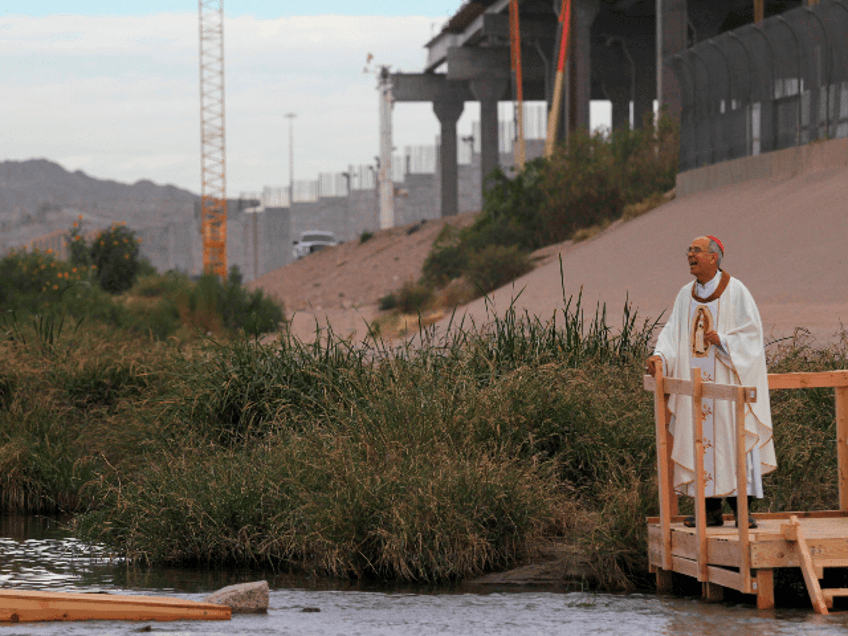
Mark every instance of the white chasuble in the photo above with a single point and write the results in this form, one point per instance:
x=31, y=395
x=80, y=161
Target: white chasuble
x=729, y=310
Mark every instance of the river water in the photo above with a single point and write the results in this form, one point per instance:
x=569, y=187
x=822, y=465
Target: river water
x=35, y=553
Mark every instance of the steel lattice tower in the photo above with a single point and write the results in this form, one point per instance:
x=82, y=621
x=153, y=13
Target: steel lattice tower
x=213, y=201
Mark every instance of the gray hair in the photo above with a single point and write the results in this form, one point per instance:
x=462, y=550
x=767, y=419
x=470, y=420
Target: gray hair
x=715, y=249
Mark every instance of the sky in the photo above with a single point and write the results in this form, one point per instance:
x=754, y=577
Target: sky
x=112, y=88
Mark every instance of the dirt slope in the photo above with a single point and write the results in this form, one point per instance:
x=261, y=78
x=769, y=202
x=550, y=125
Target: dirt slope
x=784, y=238
x=343, y=285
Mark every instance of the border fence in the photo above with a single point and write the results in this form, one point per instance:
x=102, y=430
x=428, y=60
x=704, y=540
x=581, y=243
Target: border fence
x=779, y=83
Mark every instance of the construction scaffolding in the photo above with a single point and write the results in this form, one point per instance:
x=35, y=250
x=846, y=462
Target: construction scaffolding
x=213, y=191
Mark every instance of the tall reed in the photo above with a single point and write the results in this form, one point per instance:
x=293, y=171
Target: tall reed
x=433, y=460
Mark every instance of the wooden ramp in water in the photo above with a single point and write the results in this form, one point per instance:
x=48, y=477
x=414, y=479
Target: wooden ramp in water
x=21, y=606
x=744, y=559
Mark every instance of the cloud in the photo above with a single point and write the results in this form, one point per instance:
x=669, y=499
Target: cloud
x=119, y=98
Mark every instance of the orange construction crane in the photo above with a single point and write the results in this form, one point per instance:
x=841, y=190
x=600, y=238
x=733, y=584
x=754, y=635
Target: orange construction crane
x=213, y=192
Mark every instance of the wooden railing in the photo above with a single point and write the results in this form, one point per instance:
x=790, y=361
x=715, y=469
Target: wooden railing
x=740, y=396
x=698, y=391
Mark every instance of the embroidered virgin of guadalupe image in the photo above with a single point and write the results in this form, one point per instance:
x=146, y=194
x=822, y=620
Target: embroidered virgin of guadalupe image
x=702, y=323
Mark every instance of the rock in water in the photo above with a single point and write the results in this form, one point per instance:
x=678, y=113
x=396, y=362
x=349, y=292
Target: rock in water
x=243, y=597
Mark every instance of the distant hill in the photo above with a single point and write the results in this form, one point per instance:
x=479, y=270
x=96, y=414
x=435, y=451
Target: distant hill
x=39, y=198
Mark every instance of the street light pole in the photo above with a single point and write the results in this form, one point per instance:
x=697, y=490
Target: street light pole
x=290, y=117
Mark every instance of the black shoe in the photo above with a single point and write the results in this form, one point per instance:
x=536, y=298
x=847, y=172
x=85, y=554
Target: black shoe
x=752, y=523
x=714, y=520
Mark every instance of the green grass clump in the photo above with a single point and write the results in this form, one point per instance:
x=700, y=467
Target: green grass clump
x=438, y=459
x=495, y=266
x=429, y=463
x=51, y=294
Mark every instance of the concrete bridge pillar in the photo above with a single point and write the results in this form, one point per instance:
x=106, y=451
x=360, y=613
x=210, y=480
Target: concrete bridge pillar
x=617, y=80
x=488, y=90
x=448, y=98
x=580, y=83
x=671, y=39
x=644, y=62
x=448, y=112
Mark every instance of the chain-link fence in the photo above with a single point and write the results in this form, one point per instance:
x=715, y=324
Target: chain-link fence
x=766, y=86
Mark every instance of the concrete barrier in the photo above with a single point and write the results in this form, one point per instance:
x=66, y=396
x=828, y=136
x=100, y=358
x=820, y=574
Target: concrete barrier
x=779, y=163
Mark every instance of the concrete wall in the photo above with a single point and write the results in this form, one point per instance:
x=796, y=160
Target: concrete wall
x=268, y=246
x=172, y=247
x=779, y=163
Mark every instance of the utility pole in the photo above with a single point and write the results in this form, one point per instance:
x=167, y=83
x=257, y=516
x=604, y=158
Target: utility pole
x=290, y=117
x=385, y=176
x=347, y=175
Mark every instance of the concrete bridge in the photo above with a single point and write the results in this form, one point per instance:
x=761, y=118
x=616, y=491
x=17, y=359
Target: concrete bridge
x=620, y=50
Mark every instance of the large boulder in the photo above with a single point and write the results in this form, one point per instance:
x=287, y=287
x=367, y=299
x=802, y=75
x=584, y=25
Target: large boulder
x=243, y=597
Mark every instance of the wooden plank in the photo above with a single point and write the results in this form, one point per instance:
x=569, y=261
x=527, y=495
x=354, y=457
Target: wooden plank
x=19, y=606
x=725, y=578
x=669, y=444
x=830, y=593
x=709, y=390
x=801, y=514
x=722, y=551
x=685, y=566
x=830, y=563
x=742, y=492
x=793, y=529
x=719, y=576
x=700, y=504
x=807, y=380
x=841, y=448
x=765, y=589
x=712, y=592
x=779, y=553
x=663, y=462
x=664, y=581
x=759, y=10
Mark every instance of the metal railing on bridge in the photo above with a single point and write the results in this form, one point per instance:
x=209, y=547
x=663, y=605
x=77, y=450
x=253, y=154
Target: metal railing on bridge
x=767, y=86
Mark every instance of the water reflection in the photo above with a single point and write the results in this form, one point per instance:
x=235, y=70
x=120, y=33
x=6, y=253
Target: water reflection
x=36, y=553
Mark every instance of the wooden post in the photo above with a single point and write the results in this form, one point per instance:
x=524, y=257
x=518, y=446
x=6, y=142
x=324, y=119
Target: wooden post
x=673, y=509
x=664, y=581
x=663, y=463
x=742, y=492
x=700, y=504
x=792, y=532
x=712, y=591
x=759, y=10
x=765, y=589
x=841, y=448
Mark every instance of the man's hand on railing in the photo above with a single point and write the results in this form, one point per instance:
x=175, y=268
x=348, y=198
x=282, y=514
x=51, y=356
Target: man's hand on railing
x=651, y=365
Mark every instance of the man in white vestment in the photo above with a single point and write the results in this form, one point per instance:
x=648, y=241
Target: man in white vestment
x=715, y=326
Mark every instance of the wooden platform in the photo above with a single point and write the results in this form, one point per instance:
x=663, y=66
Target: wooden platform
x=825, y=533
x=20, y=606
x=744, y=559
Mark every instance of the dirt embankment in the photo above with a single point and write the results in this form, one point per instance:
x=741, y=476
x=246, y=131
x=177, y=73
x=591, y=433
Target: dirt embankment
x=341, y=287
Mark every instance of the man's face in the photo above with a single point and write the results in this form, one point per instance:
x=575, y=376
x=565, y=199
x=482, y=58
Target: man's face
x=702, y=264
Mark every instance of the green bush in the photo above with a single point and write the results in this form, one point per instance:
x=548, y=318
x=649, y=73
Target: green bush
x=580, y=186
x=115, y=255
x=510, y=214
x=584, y=186
x=413, y=297
x=387, y=302
x=447, y=259
x=79, y=253
x=495, y=266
